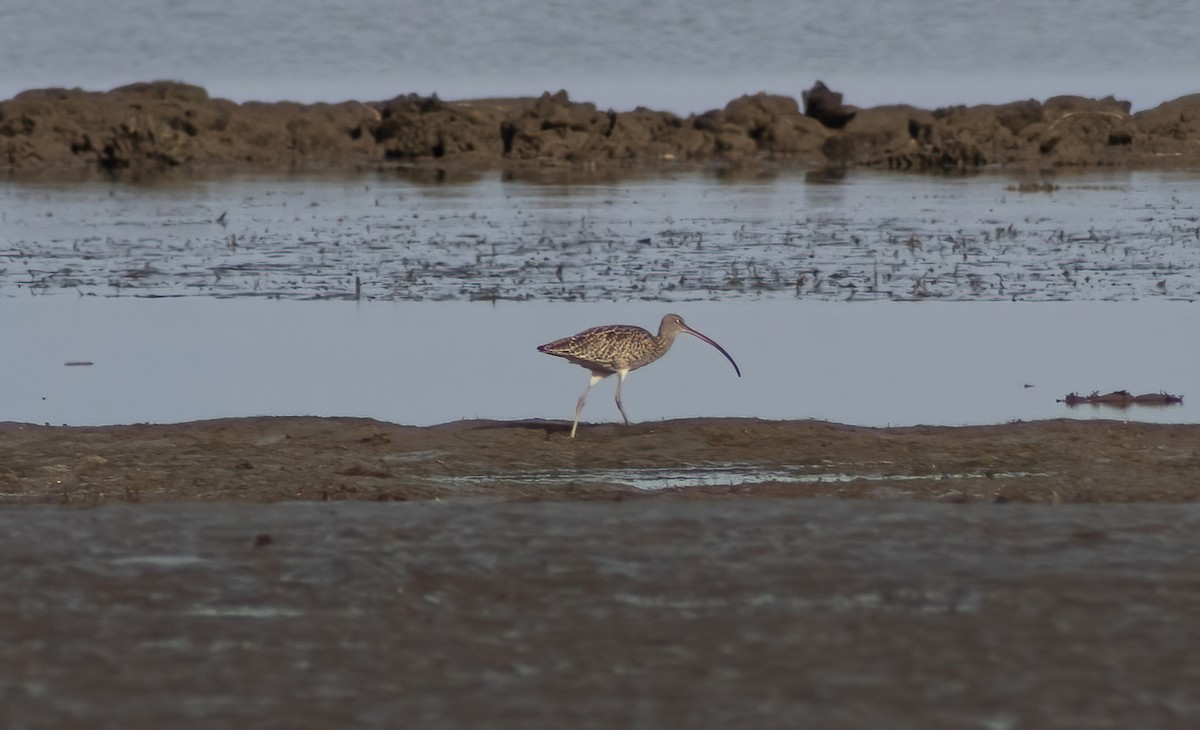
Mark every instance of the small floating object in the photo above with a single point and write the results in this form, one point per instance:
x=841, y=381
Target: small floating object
x=78, y=363
x=1032, y=187
x=1122, y=399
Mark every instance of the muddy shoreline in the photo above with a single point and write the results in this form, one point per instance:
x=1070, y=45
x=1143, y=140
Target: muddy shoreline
x=159, y=126
x=274, y=459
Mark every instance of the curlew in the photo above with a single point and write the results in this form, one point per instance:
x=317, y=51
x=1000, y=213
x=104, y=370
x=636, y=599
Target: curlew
x=618, y=349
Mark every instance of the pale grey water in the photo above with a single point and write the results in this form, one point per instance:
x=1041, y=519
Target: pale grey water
x=684, y=57
x=870, y=363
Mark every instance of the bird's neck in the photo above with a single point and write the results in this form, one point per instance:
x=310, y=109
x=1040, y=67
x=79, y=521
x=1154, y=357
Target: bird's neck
x=665, y=337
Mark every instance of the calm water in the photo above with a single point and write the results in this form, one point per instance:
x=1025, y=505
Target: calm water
x=870, y=363
x=872, y=300
x=680, y=56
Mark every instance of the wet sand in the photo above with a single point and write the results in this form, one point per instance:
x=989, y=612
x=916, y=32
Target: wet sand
x=659, y=614
x=284, y=458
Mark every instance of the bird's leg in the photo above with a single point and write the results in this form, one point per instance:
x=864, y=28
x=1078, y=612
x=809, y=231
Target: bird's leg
x=620, y=381
x=596, y=378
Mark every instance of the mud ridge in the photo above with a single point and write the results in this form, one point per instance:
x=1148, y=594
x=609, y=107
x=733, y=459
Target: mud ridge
x=316, y=459
x=159, y=125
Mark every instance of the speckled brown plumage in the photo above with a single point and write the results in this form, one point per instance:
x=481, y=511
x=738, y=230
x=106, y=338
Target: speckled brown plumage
x=609, y=348
x=619, y=349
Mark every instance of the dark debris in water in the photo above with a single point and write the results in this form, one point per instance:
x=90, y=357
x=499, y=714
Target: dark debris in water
x=1122, y=399
x=496, y=243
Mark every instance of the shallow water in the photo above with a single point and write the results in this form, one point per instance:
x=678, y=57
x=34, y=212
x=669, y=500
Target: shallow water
x=718, y=475
x=645, y=614
x=1110, y=236
x=868, y=363
x=870, y=299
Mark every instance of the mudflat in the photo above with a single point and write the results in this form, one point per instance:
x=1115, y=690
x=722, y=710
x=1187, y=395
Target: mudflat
x=659, y=613
x=502, y=574
x=293, y=458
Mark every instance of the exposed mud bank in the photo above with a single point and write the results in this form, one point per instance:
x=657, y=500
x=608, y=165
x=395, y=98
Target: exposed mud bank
x=278, y=459
x=167, y=124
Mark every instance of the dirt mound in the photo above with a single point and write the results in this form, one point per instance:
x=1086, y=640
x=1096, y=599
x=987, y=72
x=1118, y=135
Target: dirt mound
x=166, y=124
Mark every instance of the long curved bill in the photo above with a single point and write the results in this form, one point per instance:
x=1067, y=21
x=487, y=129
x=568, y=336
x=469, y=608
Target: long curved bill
x=712, y=342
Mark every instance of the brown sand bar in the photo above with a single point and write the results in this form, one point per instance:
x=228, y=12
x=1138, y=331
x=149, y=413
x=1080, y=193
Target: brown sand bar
x=157, y=125
x=290, y=458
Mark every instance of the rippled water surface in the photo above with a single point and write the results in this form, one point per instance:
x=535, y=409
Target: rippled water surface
x=1119, y=236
